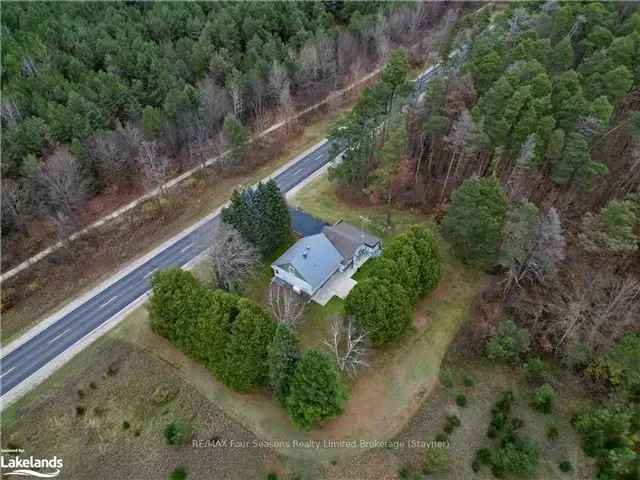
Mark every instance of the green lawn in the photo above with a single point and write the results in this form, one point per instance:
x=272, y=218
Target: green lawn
x=320, y=200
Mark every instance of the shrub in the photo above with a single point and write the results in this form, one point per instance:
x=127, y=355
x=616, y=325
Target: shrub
x=517, y=457
x=436, y=460
x=509, y=343
x=441, y=437
x=453, y=420
x=446, y=377
x=451, y=423
x=404, y=473
x=611, y=436
x=282, y=356
x=179, y=473
x=272, y=476
x=381, y=308
x=112, y=368
x=126, y=425
x=484, y=456
x=474, y=220
x=498, y=421
x=543, y=398
x=534, y=370
x=565, y=466
x=552, y=432
x=505, y=402
x=516, y=424
x=475, y=466
x=619, y=366
x=316, y=391
x=177, y=433
x=461, y=400
x=468, y=381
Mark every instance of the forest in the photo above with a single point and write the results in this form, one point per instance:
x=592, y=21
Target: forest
x=100, y=93
x=537, y=120
x=527, y=150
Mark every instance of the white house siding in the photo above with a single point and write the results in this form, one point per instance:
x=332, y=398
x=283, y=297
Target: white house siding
x=293, y=280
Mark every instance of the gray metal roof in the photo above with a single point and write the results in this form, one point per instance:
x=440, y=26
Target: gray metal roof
x=347, y=238
x=311, y=258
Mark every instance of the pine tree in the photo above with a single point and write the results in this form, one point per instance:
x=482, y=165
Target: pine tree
x=474, y=220
x=576, y=164
x=261, y=216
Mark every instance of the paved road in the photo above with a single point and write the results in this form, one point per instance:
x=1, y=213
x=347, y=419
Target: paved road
x=42, y=348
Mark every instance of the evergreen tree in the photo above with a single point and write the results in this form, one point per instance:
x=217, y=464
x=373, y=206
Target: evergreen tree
x=316, y=391
x=561, y=57
x=236, y=136
x=245, y=363
x=213, y=329
x=282, y=357
x=576, y=164
x=381, y=308
x=614, y=230
x=176, y=302
x=261, y=216
x=474, y=220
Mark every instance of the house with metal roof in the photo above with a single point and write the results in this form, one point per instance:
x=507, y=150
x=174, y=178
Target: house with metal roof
x=337, y=251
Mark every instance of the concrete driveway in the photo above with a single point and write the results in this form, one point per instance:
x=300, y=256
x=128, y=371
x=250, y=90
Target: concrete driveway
x=339, y=285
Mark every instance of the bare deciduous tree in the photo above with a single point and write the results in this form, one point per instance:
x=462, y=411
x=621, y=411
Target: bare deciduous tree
x=287, y=109
x=235, y=89
x=461, y=141
x=232, y=258
x=199, y=142
x=517, y=187
x=597, y=314
x=17, y=204
x=63, y=183
x=348, y=344
x=10, y=113
x=215, y=103
x=278, y=77
x=115, y=152
x=286, y=305
x=536, y=250
x=155, y=165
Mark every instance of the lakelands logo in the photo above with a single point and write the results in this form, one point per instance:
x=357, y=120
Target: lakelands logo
x=29, y=466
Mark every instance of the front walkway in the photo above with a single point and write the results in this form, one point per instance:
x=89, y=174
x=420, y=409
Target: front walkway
x=339, y=285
